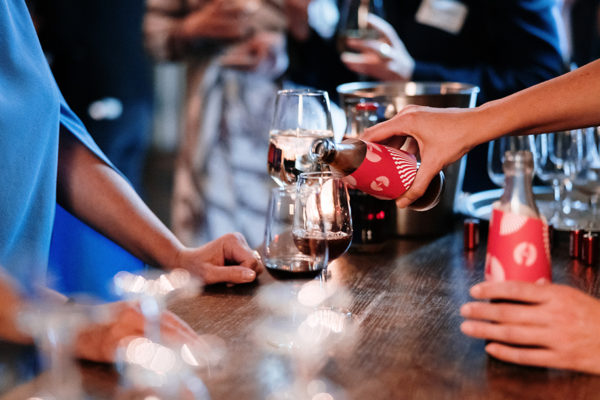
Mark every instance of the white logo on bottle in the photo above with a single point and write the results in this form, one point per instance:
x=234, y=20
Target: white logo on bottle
x=371, y=156
x=380, y=182
x=525, y=254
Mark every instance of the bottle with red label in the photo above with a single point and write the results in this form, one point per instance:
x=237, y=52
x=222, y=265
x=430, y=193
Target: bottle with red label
x=381, y=171
x=518, y=241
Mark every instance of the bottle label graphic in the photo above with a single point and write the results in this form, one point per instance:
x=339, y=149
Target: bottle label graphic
x=385, y=173
x=518, y=248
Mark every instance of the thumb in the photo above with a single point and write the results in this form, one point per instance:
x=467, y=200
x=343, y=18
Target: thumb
x=231, y=274
x=422, y=180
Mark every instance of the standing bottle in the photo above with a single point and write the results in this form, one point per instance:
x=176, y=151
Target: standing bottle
x=381, y=171
x=518, y=241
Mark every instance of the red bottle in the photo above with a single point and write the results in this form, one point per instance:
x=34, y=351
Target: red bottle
x=381, y=171
x=518, y=241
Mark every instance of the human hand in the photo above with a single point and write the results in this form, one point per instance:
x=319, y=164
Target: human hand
x=384, y=59
x=220, y=19
x=99, y=342
x=226, y=259
x=296, y=12
x=559, y=326
x=442, y=136
x=258, y=52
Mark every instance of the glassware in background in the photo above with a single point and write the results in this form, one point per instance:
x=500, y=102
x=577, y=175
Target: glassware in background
x=303, y=326
x=281, y=256
x=497, y=150
x=354, y=22
x=587, y=178
x=300, y=117
x=155, y=363
x=322, y=222
x=54, y=325
x=152, y=289
x=560, y=155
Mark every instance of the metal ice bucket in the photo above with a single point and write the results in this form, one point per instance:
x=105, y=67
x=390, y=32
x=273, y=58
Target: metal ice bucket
x=395, y=95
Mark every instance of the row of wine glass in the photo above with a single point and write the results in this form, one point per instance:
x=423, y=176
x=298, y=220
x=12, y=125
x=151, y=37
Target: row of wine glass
x=565, y=160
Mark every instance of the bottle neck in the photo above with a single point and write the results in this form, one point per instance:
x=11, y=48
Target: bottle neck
x=518, y=190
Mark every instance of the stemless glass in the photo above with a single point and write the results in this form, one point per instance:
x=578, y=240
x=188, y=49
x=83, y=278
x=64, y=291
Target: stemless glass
x=322, y=223
x=281, y=256
x=300, y=117
x=496, y=150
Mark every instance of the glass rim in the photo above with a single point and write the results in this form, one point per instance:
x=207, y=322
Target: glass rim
x=303, y=92
x=320, y=176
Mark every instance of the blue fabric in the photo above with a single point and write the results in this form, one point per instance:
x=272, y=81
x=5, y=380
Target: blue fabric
x=32, y=111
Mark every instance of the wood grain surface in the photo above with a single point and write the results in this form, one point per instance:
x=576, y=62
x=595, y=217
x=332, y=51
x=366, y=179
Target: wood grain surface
x=404, y=302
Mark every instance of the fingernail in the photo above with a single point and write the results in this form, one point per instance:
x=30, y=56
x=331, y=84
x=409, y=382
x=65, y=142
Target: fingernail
x=476, y=290
x=466, y=327
x=248, y=275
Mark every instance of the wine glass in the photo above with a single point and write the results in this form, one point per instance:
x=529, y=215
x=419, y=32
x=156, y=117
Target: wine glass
x=54, y=325
x=300, y=117
x=560, y=155
x=304, y=324
x=322, y=222
x=280, y=254
x=587, y=178
x=152, y=289
x=498, y=148
x=354, y=22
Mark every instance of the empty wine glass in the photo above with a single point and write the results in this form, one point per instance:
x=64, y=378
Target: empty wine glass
x=560, y=155
x=300, y=117
x=587, y=178
x=498, y=148
x=54, y=325
x=322, y=222
x=152, y=288
x=281, y=256
x=304, y=325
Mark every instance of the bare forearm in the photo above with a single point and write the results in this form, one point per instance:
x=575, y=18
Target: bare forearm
x=566, y=102
x=99, y=196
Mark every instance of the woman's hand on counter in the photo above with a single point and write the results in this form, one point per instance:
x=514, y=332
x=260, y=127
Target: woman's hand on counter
x=552, y=325
x=226, y=259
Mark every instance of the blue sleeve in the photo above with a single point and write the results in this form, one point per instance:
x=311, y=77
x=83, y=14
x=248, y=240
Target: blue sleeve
x=521, y=48
x=71, y=123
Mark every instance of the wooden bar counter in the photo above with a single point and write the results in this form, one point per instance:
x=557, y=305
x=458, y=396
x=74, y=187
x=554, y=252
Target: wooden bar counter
x=405, y=304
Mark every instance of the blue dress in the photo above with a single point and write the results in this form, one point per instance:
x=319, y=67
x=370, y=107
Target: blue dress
x=32, y=114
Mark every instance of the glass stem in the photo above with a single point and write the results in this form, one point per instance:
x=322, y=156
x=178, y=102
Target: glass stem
x=594, y=207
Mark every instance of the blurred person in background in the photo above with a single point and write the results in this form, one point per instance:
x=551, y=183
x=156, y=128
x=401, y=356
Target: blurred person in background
x=54, y=160
x=234, y=55
x=501, y=46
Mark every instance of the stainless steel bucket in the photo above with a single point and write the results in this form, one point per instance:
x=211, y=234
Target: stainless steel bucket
x=394, y=96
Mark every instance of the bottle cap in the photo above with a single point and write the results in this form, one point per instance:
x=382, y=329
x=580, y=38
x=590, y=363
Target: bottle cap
x=471, y=233
x=366, y=106
x=575, y=240
x=589, y=248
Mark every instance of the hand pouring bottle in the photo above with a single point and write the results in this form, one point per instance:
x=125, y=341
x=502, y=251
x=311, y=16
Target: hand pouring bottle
x=518, y=242
x=381, y=171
